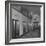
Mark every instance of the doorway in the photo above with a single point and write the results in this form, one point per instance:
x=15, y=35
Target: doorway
x=15, y=28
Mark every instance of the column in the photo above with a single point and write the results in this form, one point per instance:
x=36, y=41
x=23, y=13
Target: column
x=21, y=29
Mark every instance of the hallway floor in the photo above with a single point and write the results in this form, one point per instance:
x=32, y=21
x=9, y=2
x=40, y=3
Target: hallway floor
x=31, y=34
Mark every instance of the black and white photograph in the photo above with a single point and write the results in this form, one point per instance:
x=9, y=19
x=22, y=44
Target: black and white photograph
x=24, y=22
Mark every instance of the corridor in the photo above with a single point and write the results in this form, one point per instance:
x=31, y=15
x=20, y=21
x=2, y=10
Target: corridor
x=25, y=25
